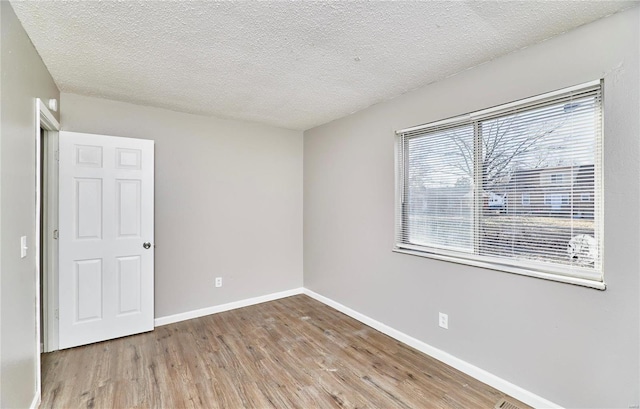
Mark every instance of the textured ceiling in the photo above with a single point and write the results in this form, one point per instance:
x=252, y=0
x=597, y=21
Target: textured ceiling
x=289, y=64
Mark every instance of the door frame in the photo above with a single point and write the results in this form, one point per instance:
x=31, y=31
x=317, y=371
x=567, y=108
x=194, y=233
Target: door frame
x=45, y=120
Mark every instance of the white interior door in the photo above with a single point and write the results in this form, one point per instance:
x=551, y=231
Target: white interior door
x=106, y=238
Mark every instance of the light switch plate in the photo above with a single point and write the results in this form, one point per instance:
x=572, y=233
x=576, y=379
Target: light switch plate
x=23, y=247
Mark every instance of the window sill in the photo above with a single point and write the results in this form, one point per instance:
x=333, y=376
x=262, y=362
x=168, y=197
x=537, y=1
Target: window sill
x=598, y=285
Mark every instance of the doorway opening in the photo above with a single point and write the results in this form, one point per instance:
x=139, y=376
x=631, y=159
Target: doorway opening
x=46, y=218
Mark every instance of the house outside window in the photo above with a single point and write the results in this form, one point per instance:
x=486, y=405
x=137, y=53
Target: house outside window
x=505, y=188
x=556, y=179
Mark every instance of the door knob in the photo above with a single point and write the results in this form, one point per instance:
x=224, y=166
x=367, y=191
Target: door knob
x=146, y=245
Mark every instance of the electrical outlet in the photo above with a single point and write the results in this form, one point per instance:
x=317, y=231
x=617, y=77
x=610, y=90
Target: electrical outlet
x=218, y=282
x=443, y=320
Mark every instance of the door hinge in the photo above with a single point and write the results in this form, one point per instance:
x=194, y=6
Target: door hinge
x=55, y=234
x=56, y=313
x=58, y=156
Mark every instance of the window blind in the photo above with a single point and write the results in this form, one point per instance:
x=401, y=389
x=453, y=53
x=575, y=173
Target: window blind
x=516, y=187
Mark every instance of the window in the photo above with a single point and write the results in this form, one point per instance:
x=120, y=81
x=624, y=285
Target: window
x=556, y=200
x=556, y=179
x=505, y=188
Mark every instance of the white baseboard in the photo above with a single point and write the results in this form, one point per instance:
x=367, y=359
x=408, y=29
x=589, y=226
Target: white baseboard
x=170, y=319
x=502, y=385
x=36, y=401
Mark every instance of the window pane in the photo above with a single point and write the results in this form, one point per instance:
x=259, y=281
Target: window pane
x=439, y=190
x=538, y=184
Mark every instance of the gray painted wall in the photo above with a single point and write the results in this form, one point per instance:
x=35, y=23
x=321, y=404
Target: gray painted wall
x=1, y=13
x=228, y=200
x=24, y=78
x=575, y=346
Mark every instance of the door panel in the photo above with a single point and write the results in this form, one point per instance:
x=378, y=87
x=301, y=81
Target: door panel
x=106, y=215
x=88, y=290
x=129, y=285
x=88, y=208
x=128, y=208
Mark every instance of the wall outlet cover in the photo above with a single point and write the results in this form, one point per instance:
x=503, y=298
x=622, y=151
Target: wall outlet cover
x=443, y=320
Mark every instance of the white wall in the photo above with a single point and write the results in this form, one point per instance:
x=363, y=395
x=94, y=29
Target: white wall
x=24, y=78
x=574, y=346
x=228, y=200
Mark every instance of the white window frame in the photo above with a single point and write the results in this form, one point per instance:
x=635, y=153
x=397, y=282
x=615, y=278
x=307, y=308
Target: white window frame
x=565, y=274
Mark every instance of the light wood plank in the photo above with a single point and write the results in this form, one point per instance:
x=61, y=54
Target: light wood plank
x=289, y=353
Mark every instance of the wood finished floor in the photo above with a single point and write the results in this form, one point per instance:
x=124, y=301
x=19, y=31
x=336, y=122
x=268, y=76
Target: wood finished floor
x=290, y=353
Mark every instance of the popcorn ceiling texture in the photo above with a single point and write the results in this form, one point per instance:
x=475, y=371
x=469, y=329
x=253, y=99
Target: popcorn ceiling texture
x=289, y=64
